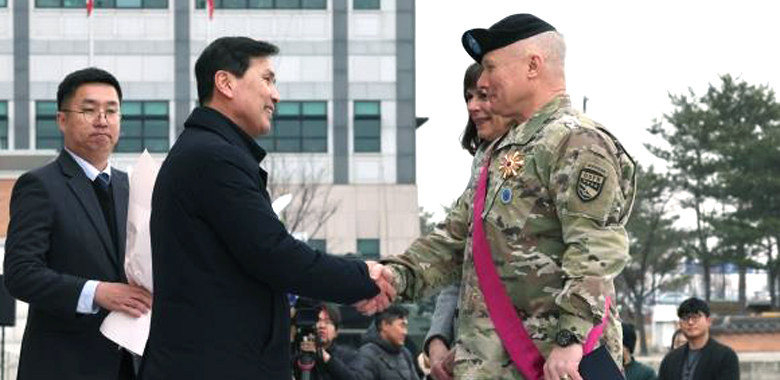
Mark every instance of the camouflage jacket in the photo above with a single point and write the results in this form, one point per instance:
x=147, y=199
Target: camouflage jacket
x=560, y=190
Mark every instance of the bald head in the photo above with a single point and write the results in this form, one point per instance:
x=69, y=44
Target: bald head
x=552, y=48
x=522, y=77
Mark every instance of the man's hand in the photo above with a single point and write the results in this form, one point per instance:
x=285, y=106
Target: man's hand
x=442, y=359
x=563, y=361
x=129, y=299
x=308, y=345
x=383, y=276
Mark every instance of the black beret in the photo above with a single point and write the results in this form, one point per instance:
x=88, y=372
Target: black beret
x=479, y=42
x=629, y=337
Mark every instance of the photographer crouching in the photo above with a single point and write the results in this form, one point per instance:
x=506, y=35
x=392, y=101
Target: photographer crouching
x=319, y=357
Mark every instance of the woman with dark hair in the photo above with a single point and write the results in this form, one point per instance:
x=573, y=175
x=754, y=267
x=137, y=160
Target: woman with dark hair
x=678, y=339
x=482, y=127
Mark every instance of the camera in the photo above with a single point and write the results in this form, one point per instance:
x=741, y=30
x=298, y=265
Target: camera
x=305, y=323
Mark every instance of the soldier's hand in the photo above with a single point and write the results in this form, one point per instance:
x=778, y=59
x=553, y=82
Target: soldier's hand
x=129, y=299
x=563, y=363
x=383, y=276
x=442, y=360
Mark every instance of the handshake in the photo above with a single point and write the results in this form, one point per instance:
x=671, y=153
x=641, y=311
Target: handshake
x=383, y=276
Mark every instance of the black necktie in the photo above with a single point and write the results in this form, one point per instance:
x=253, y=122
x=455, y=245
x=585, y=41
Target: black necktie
x=103, y=180
x=102, y=186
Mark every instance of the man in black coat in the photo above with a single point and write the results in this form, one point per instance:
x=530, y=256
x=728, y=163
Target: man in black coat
x=223, y=262
x=383, y=356
x=65, y=247
x=702, y=358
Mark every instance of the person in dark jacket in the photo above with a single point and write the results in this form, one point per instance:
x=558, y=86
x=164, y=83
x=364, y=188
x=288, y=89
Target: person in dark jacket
x=223, y=262
x=383, y=355
x=65, y=248
x=333, y=361
x=634, y=369
x=702, y=358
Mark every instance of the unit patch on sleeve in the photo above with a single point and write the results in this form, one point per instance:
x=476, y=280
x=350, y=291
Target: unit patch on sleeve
x=590, y=182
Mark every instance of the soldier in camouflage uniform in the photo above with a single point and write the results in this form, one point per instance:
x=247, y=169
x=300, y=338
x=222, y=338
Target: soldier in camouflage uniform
x=560, y=190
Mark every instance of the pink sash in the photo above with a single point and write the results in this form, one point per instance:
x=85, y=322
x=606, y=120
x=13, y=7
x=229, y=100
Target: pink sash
x=524, y=353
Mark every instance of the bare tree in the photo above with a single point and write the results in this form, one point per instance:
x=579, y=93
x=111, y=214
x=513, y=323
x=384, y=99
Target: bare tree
x=312, y=205
x=654, y=247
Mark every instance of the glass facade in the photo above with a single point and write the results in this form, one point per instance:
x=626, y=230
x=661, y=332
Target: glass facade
x=47, y=133
x=265, y=4
x=298, y=127
x=368, y=127
x=368, y=249
x=3, y=125
x=120, y=4
x=145, y=125
x=366, y=4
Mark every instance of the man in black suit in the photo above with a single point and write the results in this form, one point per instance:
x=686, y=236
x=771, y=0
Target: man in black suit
x=222, y=261
x=702, y=358
x=66, y=242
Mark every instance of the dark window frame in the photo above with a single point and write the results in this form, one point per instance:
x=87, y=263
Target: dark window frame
x=99, y=4
x=364, y=141
x=369, y=255
x=39, y=117
x=5, y=129
x=318, y=244
x=282, y=139
x=147, y=133
x=366, y=5
x=266, y=4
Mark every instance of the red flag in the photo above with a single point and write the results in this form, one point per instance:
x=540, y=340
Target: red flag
x=210, y=5
x=90, y=5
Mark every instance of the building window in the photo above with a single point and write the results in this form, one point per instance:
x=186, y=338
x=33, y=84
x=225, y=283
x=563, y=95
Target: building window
x=3, y=3
x=111, y=4
x=365, y=4
x=368, y=127
x=368, y=249
x=318, y=244
x=145, y=125
x=265, y=4
x=298, y=127
x=3, y=125
x=47, y=133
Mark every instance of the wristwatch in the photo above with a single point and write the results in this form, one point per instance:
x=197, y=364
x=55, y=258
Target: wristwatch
x=566, y=338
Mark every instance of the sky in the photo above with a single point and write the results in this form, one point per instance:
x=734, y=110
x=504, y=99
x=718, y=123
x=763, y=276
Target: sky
x=625, y=56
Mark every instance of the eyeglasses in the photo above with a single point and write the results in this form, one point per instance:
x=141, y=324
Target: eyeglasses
x=90, y=115
x=691, y=318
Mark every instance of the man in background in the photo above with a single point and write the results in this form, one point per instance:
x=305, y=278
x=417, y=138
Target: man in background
x=65, y=249
x=634, y=370
x=383, y=355
x=332, y=361
x=702, y=358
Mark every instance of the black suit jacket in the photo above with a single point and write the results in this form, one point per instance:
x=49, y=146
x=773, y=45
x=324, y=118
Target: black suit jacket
x=717, y=362
x=57, y=240
x=223, y=262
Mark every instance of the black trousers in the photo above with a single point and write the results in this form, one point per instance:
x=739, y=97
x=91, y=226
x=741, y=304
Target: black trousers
x=126, y=368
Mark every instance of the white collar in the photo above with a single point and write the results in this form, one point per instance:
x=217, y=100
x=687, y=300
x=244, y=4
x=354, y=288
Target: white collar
x=91, y=171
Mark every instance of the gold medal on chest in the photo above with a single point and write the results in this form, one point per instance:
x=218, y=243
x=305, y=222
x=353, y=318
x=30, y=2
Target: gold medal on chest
x=511, y=164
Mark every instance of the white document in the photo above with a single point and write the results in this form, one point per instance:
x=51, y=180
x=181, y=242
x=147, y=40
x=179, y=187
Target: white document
x=128, y=332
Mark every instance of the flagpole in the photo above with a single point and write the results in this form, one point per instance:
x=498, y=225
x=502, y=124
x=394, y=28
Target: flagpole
x=209, y=10
x=208, y=28
x=90, y=34
x=91, y=42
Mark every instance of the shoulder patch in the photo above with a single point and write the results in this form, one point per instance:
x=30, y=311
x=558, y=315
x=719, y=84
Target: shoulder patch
x=590, y=182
